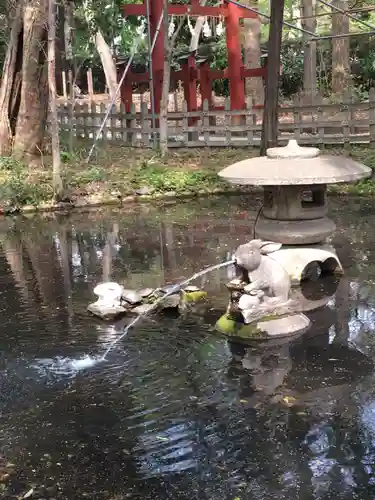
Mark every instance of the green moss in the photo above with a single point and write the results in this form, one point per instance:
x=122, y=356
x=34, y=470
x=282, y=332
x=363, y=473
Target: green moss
x=192, y=297
x=251, y=331
x=232, y=328
x=226, y=325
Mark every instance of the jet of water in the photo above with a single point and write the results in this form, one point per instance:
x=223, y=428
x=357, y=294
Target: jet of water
x=69, y=367
x=173, y=290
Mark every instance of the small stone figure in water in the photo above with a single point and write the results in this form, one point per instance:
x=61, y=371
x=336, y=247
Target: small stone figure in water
x=109, y=294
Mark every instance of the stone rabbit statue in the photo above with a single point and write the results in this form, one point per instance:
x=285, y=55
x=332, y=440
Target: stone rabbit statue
x=265, y=275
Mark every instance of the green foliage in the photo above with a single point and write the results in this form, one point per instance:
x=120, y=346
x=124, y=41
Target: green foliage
x=163, y=178
x=292, y=68
x=65, y=156
x=16, y=189
x=362, y=60
x=89, y=175
x=91, y=16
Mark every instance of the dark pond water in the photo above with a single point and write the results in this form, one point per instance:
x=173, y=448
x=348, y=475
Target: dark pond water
x=177, y=412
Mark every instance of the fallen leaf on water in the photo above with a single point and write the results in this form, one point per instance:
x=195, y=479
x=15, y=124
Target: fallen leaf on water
x=29, y=493
x=289, y=400
x=161, y=438
x=242, y=401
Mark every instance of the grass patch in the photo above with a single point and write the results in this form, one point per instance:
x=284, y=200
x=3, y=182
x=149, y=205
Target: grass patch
x=126, y=170
x=18, y=186
x=122, y=171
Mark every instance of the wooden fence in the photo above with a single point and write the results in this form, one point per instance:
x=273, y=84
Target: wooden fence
x=318, y=123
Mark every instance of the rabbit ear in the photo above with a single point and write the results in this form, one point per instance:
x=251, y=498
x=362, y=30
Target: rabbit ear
x=269, y=247
x=256, y=243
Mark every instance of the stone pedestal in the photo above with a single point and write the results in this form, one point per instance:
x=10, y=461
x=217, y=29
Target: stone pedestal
x=271, y=328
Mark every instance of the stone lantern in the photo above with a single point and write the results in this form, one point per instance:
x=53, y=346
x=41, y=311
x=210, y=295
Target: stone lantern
x=294, y=210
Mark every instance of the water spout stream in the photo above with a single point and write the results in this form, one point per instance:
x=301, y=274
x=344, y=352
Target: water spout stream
x=173, y=290
x=69, y=367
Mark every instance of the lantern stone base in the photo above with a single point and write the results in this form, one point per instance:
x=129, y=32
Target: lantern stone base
x=308, y=262
x=295, y=232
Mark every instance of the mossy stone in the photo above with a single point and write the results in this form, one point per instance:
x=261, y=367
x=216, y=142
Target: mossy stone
x=230, y=327
x=192, y=297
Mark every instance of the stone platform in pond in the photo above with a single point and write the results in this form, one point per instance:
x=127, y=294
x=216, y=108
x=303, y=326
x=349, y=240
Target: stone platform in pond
x=115, y=301
x=267, y=328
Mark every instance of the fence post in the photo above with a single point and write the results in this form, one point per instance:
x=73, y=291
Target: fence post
x=129, y=125
x=228, y=122
x=122, y=117
x=113, y=122
x=185, y=124
x=206, y=122
x=250, y=121
x=65, y=93
x=90, y=85
x=297, y=117
x=145, y=125
x=71, y=81
x=85, y=112
x=133, y=125
x=102, y=112
x=372, y=116
x=346, y=122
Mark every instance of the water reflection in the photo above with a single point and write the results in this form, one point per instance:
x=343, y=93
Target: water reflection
x=177, y=412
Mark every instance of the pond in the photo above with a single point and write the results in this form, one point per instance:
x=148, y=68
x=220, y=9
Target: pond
x=176, y=411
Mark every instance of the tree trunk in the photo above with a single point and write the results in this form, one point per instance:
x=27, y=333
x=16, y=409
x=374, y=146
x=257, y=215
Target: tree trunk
x=340, y=49
x=23, y=90
x=108, y=64
x=56, y=162
x=60, y=48
x=102, y=47
x=309, y=58
x=68, y=39
x=271, y=102
x=68, y=29
x=194, y=42
x=168, y=49
x=68, y=48
x=254, y=86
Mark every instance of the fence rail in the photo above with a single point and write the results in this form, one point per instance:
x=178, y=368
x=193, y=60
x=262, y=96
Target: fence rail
x=317, y=123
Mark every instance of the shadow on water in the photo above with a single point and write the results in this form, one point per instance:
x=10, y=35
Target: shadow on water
x=178, y=411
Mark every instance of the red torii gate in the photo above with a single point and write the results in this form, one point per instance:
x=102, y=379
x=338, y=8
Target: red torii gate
x=190, y=74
